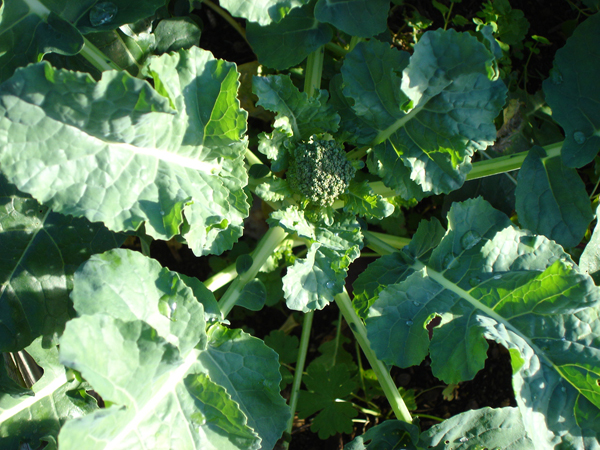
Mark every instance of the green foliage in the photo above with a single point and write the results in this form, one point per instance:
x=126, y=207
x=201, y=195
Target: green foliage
x=319, y=171
x=114, y=122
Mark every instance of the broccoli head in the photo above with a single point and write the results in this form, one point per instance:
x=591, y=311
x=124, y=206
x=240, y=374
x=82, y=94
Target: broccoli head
x=319, y=171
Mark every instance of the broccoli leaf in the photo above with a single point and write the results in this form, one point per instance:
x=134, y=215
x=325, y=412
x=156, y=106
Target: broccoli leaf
x=120, y=152
x=551, y=199
x=312, y=282
x=590, y=258
x=171, y=377
x=263, y=12
x=361, y=200
x=435, y=117
x=287, y=43
x=488, y=279
x=274, y=189
x=40, y=252
x=298, y=115
x=573, y=94
x=389, y=434
x=362, y=18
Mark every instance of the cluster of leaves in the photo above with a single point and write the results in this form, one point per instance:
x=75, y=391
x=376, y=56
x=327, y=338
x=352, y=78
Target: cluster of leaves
x=113, y=122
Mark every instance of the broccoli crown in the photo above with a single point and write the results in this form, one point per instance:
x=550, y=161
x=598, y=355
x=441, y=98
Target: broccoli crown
x=319, y=170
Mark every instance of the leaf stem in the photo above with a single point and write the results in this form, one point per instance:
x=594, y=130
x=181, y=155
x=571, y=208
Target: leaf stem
x=383, y=375
x=507, y=163
x=314, y=70
x=96, y=57
x=375, y=242
x=265, y=248
x=302, y=351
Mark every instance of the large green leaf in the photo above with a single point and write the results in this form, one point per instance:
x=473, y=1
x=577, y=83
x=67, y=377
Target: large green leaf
x=573, y=93
x=488, y=279
x=432, y=118
x=263, y=12
x=40, y=252
x=120, y=152
x=287, y=43
x=56, y=397
x=362, y=18
x=551, y=199
x=141, y=343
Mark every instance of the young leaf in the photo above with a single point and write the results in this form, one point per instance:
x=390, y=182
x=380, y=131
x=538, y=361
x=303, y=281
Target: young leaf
x=40, y=252
x=55, y=398
x=298, y=115
x=361, y=200
x=287, y=43
x=571, y=76
x=551, y=199
x=487, y=279
x=311, y=283
x=326, y=386
x=362, y=18
x=120, y=152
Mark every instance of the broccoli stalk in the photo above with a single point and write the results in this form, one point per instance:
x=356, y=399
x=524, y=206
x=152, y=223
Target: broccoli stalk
x=319, y=171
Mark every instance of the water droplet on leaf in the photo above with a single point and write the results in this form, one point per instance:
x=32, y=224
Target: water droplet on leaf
x=409, y=322
x=448, y=260
x=463, y=439
x=497, y=277
x=103, y=13
x=474, y=281
x=469, y=239
x=556, y=77
x=579, y=137
x=563, y=338
x=416, y=303
x=330, y=284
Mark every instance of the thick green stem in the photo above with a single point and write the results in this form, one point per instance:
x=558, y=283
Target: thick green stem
x=383, y=375
x=303, y=350
x=507, y=163
x=314, y=70
x=265, y=248
x=385, y=244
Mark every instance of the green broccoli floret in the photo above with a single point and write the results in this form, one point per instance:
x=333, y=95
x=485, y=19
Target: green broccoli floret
x=319, y=171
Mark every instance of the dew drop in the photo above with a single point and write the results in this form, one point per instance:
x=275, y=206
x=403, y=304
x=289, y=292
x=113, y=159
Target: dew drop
x=497, y=277
x=463, y=439
x=448, y=260
x=564, y=389
x=330, y=284
x=579, y=137
x=563, y=338
x=103, y=13
x=474, y=281
x=416, y=303
x=409, y=322
x=162, y=213
x=556, y=77
x=469, y=239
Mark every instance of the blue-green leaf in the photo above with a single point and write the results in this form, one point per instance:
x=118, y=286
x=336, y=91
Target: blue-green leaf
x=551, y=199
x=362, y=18
x=573, y=93
x=120, y=152
x=489, y=280
x=287, y=43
